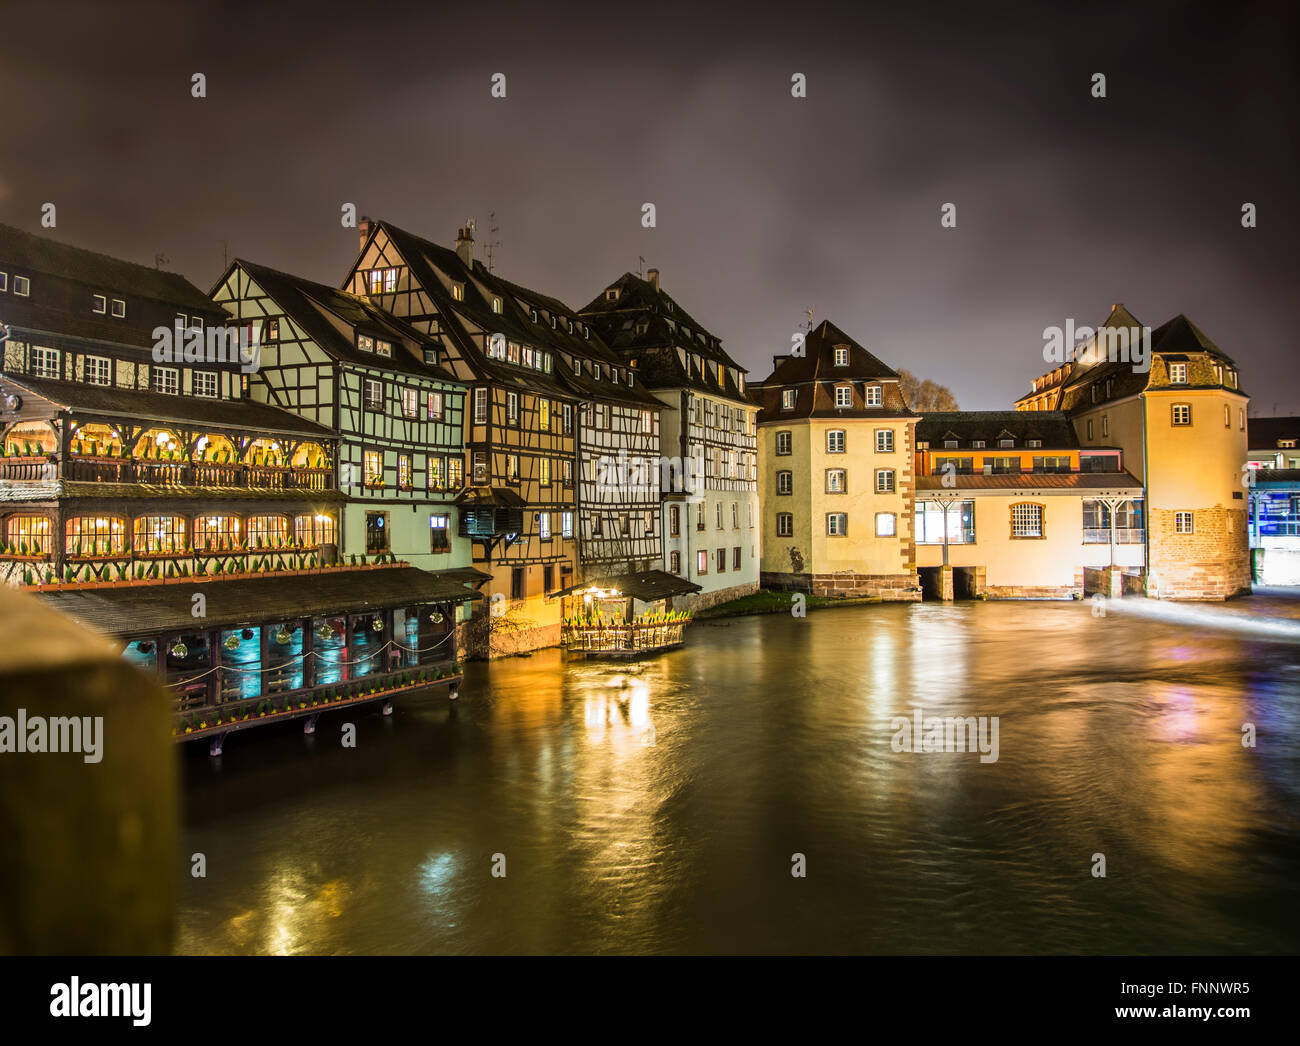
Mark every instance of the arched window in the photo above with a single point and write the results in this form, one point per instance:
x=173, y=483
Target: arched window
x=310, y=456
x=30, y=439
x=160, y=535
x=267, y=532
x=312, y=531
x=94, y=536
x=218, y=534
x=28, y=535
x=96, y=440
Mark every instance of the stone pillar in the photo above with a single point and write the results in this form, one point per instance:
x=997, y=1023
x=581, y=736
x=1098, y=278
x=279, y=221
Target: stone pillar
x=88, y=862
x=1116, y=582
x=945, y=584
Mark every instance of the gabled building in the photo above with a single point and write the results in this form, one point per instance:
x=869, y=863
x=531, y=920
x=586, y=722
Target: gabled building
x=117, y=466
x=339, y=361
x=519, y=507
x=146, y=491
x=837, y=486
x=1180, y=420
x=709, y=465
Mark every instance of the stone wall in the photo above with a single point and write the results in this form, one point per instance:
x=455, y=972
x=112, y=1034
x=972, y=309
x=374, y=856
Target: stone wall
x=848, y=585
x=1072, y=591
x=697, y=601
x=1213, y=563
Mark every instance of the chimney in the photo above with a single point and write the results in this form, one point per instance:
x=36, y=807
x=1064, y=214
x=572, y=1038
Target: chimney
x=363, y=230
x=465, y=246
x=653, y=276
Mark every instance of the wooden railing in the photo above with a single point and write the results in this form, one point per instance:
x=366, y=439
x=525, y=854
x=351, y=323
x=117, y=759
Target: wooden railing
x=623, y=638
x=179, y=473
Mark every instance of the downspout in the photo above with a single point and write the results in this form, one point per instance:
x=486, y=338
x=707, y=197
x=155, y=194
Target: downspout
x=1146, y=495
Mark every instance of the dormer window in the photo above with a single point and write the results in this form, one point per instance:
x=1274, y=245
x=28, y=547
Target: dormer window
x=841, y=355
x=577, y=367
x=1232, y=378
x=722, y=375
x=383, y=348
x=977, y=444
x=1178, y=373
x=1035, y=443
x=642, y=326
x=570, y=326
x=787, y=399
x=611, y=294
x=1006, y=443
x=873, y=396
x=496, y=304
x=554, y=321
x=117, y=309
x=533, y=313
x=458, y=291
x=365, y=343
x=843, y=396
x=950, y=444
x=98, y=304
x=586, y=331
x=22, y=286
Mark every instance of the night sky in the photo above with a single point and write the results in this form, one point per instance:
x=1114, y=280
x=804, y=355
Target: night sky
x=766, y=204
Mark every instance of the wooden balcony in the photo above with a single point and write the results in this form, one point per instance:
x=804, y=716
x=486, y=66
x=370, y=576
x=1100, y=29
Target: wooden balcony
x=175, y=473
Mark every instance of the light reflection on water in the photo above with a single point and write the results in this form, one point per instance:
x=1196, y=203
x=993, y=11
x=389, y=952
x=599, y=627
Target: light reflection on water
x=657, y=806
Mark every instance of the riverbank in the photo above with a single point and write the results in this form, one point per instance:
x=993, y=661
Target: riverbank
x=765, y=601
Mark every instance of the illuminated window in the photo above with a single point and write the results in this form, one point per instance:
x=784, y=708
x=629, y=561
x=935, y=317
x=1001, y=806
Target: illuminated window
x=217, y=534
x=160, y=535
x=390, y=281
x=365, y=343
x=410, y=403
x=439, y=535
x=544, y=471
x=383, y=348
x=94, y=536
x=267, y=532
x=404, y=474
x=886, y=524
x=374, y=394
x=435, y=406
x=1026, y=521
x=374, y=468
x=787, y=399
x=311, y=530
x=28, y=535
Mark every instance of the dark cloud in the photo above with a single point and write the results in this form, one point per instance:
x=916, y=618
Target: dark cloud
x=766, y=204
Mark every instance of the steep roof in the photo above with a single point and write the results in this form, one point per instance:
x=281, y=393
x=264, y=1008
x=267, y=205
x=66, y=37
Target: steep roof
x=813, y=377
x=30, y=253
x=646, y=326
x=310, y=305
x=1051, y=426
x=160, y=406
x=427, y=259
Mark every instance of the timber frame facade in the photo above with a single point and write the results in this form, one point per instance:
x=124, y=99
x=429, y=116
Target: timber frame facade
x=116, y=466
x=709, y=511
x=337, y=360
x=531, y=366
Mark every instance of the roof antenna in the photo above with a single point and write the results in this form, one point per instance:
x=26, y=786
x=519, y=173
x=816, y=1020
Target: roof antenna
x=640, y=268
x=493, y=242
x=808, y=323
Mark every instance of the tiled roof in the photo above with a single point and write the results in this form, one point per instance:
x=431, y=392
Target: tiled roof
x=28, y=252
x=107, y=400
x=140, y=610
x=1047, y=481
x=1051, y=426
x=311, y=305
x=814, y=375
x=647, y=326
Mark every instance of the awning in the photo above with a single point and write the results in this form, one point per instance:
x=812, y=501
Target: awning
x=127, y=610
x=647, y=586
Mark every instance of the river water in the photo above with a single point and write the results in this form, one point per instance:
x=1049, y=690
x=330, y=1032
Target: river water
x=659, y=806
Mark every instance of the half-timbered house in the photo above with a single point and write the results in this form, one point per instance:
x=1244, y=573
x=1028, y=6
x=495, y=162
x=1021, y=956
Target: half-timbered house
x=337, y=360
x=519, y=505
x=145, y=491
x=709, y=510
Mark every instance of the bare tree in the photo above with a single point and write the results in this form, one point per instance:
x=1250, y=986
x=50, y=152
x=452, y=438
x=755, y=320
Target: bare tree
x=925, y=396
